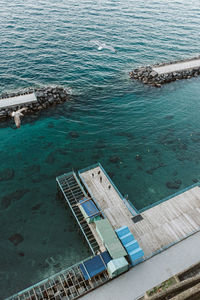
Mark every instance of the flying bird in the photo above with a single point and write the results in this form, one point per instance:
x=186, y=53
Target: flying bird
x=16, y=115
x=102, y=46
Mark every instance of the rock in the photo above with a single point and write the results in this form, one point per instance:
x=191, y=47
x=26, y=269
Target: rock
x=178, y=181
x=50, y=158
x=74, y=134
x=153, y=74
x=37, y=206
x=5, y=202
x=128, y=176
x=114, y=159
x=195, y=180
x=16, y=239
x=172, y=185
x=7, y=174
x=8, y=198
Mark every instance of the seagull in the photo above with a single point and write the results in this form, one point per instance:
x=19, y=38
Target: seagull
x=16, y=115
x=102, y=46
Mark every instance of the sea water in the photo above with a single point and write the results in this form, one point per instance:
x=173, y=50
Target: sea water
x=147, y=139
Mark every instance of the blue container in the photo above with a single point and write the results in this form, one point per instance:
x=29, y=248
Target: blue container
x=136, y=256
x=127, y=238
x=122, y=231
x=131, y=246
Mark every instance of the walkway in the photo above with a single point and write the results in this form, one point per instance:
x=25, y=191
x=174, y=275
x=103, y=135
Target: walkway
x=177, y=67
x=18, y=100
x=150, y=273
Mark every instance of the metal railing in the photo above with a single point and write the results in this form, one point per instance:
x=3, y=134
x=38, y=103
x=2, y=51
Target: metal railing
x=73, y=193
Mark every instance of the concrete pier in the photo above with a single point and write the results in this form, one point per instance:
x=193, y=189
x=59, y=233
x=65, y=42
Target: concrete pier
x=34, y=100
x=159, y=74
x=177, y=67
x=17, y=100
x=174, y=222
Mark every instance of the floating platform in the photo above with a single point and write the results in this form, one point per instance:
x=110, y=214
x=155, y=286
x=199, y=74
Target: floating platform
x=159, y=74
x=18, y=100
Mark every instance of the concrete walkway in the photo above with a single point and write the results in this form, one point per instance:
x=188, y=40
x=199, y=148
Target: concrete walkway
x=144, y=276
x=17, y=100
x=176, y=67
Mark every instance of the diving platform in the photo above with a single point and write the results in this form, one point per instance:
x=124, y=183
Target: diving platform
x=18, y=100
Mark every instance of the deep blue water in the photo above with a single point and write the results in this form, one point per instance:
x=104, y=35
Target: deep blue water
x=48, y=43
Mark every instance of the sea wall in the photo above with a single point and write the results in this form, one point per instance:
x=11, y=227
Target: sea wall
x=148, y=76
x=46, y=96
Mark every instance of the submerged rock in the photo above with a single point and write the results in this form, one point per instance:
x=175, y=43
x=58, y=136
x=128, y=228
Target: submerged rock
x=16, y=195
x=5, y=202
x=125, y=134
x=173, y=185
x=114, y=159
x=195, y=180
x=74, y=134
x=50, y=158
x=37, y=206
x=16, y=239
x=7, y=174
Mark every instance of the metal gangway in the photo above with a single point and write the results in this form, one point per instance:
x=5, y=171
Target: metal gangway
x=73, y=192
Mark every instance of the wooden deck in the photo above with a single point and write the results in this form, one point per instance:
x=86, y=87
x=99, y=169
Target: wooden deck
x=162, y=225
x=18, y=100
x=176, y=67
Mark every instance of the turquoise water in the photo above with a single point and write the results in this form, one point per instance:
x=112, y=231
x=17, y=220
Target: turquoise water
x=48, y=43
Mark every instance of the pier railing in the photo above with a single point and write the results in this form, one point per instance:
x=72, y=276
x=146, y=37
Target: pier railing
x=68, y=284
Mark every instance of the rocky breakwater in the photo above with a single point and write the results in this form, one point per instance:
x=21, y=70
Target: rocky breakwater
x=46, y=97
x=148, y=76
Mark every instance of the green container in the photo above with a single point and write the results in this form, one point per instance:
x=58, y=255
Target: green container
x=117, y=266
x=110, y=239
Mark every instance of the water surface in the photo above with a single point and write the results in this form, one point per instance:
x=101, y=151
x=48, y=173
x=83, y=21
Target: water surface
x=153, y=134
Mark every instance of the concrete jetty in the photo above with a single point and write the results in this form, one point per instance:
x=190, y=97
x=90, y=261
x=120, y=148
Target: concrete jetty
x=17, y=100
x=34, y=100
x=159, y=74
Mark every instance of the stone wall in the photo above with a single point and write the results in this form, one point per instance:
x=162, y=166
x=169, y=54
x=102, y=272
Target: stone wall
x=148, y=76
x=47, y=96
